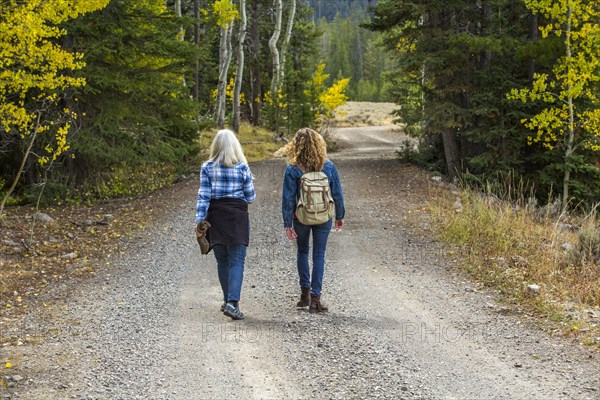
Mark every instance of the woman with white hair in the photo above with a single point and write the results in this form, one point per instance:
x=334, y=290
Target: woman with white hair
x=226, y=189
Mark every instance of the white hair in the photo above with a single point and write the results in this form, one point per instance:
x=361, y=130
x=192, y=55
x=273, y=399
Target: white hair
x=226, y=149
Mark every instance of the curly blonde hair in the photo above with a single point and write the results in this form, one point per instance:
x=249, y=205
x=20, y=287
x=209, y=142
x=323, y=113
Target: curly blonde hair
x=307, y=149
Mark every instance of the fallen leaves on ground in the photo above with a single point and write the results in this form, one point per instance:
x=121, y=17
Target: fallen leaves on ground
x=81, y=240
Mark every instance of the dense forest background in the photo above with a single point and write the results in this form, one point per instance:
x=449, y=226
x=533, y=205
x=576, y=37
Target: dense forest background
x=500, y=93
x=102, y=98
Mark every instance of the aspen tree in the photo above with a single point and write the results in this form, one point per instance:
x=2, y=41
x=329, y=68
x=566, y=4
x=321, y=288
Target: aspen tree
x=34, y=72
x=274, y=51
x=237, y=87
x=571, y=118
x=226, y=13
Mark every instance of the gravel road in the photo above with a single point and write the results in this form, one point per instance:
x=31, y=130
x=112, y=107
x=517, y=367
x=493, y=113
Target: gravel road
x=401, y=324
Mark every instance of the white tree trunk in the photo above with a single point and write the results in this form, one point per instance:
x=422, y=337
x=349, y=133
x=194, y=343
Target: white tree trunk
x=224, y=61
x=286, y=43
x=274, y=51
x=229, y=50
x=237, y=86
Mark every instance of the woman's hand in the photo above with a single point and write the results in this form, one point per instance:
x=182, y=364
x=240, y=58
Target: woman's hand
x=291, y=233
x=201, y=228
x=338, y=224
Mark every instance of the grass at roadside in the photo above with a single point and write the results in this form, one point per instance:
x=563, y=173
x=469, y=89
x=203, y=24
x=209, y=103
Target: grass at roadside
x=258, y=143
x=510, y=248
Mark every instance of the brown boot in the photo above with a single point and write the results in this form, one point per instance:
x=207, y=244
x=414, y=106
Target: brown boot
x=304, y=297
x=315, y=304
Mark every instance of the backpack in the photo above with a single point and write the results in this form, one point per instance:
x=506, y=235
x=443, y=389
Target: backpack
x=315, y=205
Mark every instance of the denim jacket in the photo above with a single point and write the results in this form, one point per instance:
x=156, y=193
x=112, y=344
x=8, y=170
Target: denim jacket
x=291, y=191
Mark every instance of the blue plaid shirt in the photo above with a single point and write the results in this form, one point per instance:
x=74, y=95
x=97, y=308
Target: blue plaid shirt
x=220, y=182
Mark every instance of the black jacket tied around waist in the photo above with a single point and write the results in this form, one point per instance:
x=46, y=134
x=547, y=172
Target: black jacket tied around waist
x=230, y=223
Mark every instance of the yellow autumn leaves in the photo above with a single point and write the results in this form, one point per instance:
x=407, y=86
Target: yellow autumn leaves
x=225, y=11
x=334, y=96
x=33, y=67
x=324, y=100
x=229, y=92
x=572, y=103
x=327, y=99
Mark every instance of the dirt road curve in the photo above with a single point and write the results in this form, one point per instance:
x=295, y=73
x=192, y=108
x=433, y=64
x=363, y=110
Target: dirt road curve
x=401, y=325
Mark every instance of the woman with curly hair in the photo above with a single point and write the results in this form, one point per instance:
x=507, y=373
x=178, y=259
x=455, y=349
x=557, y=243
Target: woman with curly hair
x=307, y=152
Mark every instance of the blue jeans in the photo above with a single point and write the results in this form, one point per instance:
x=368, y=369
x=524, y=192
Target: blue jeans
x=320, y=234
x=230, y=263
